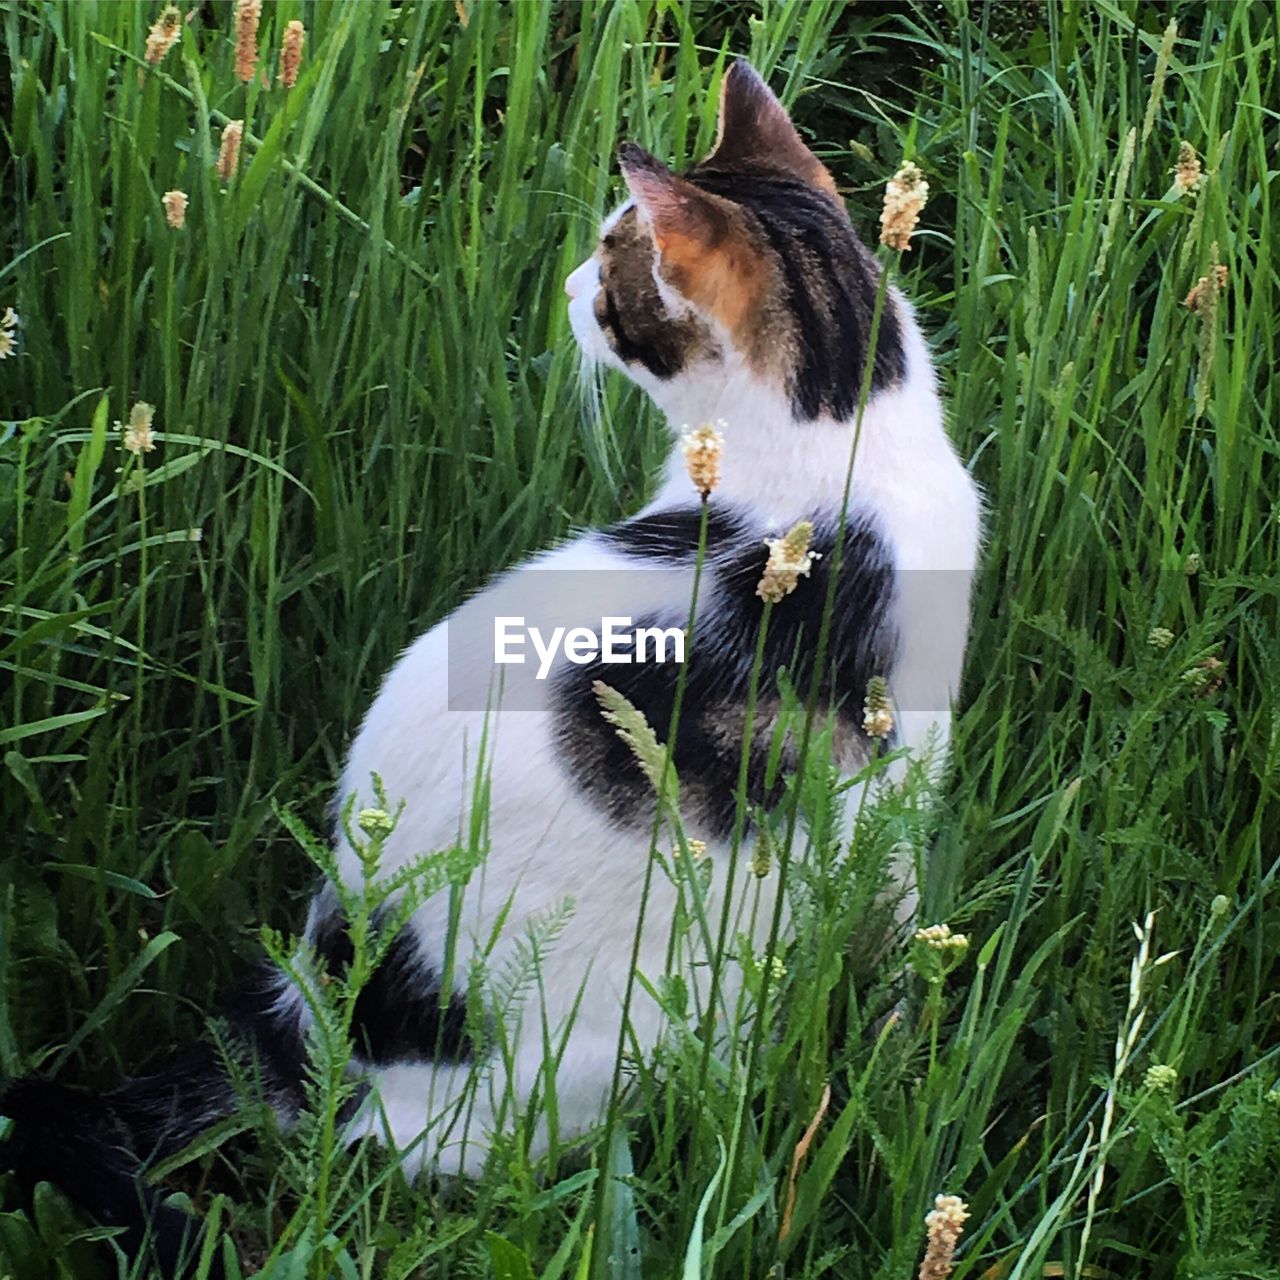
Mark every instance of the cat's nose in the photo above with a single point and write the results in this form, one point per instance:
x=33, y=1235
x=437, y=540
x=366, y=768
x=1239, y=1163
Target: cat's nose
x=574, y=281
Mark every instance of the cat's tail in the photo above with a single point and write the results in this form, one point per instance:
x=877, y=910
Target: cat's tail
x=95, y=1148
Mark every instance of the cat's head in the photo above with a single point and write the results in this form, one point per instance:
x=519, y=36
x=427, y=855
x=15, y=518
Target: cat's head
x=743, y=269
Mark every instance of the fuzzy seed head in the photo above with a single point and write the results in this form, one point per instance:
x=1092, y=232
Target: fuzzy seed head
x=945, y=1224
x=8, y=333
x=165, y=32
x=702, y=447
x=1204, y=293
x=762, y=854
x=1158, y=78
x=790, y=559
x=138, y=438
x=229, y=151
x=295, y=36
x=1187, y=173
x=175, y=208
x=877, y=711
x=248, y=14
x=904, y=198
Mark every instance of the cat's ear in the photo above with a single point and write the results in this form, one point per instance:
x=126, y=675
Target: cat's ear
x=682, y=217
x=755, y=129
x=706, y=252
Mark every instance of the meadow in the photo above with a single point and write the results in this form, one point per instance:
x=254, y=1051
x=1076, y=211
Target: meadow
x=366, y=402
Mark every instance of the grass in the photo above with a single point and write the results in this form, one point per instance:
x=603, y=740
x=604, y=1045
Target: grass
x=367, y=402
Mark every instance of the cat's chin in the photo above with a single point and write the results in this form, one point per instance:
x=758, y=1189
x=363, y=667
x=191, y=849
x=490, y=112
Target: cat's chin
x=591, y=342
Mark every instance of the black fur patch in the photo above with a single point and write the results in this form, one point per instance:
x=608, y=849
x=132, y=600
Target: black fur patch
x=94, y=1147
x=399, y=1014
x=830, y=281
x=672, y=535
x=71, y=1139
x=708, y=751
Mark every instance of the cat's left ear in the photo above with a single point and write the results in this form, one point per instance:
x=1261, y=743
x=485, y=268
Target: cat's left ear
x=755, y=129
x=706, y=251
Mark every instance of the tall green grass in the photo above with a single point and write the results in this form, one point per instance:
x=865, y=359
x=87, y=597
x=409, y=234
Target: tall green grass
x=367, y=402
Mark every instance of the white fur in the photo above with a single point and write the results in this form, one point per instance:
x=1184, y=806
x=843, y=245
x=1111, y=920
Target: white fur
x=547, y=843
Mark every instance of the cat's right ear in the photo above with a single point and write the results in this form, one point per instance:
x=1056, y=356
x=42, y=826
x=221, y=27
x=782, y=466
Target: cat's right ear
x=755, y=129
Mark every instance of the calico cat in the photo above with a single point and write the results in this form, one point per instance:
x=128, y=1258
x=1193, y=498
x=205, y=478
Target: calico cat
x=738, y=293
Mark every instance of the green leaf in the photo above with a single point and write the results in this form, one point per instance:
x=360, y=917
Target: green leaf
x=20, y=1249
x=112, y=878
x=48, y=725
x=87, y=465
x=693, y=1253
x=616, y=1253
x=119, y=989
x=509, y=1262
x=51, y=626
x=24, y=110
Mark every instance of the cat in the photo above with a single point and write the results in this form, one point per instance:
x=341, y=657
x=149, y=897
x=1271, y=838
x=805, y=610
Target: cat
x=735, y=293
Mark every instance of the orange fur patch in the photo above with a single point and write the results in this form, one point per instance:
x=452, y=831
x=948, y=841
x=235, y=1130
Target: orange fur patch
x=726, y=280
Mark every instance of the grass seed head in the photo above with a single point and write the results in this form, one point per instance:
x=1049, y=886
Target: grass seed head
x=631, y=726
x=904, y=198
x=877, y=713
x=790, y=559
x=165, y=32
x=229, y=151
x=295, y=36
x=702, y=448
x=945, y=1224
x=175, y=208
x=1187, y=173
x=8, y=333
x=1203, y=300
x=762, y=854
x=1205, y=290
x=1158, y=77
x=248, y=13
x=137, y=433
